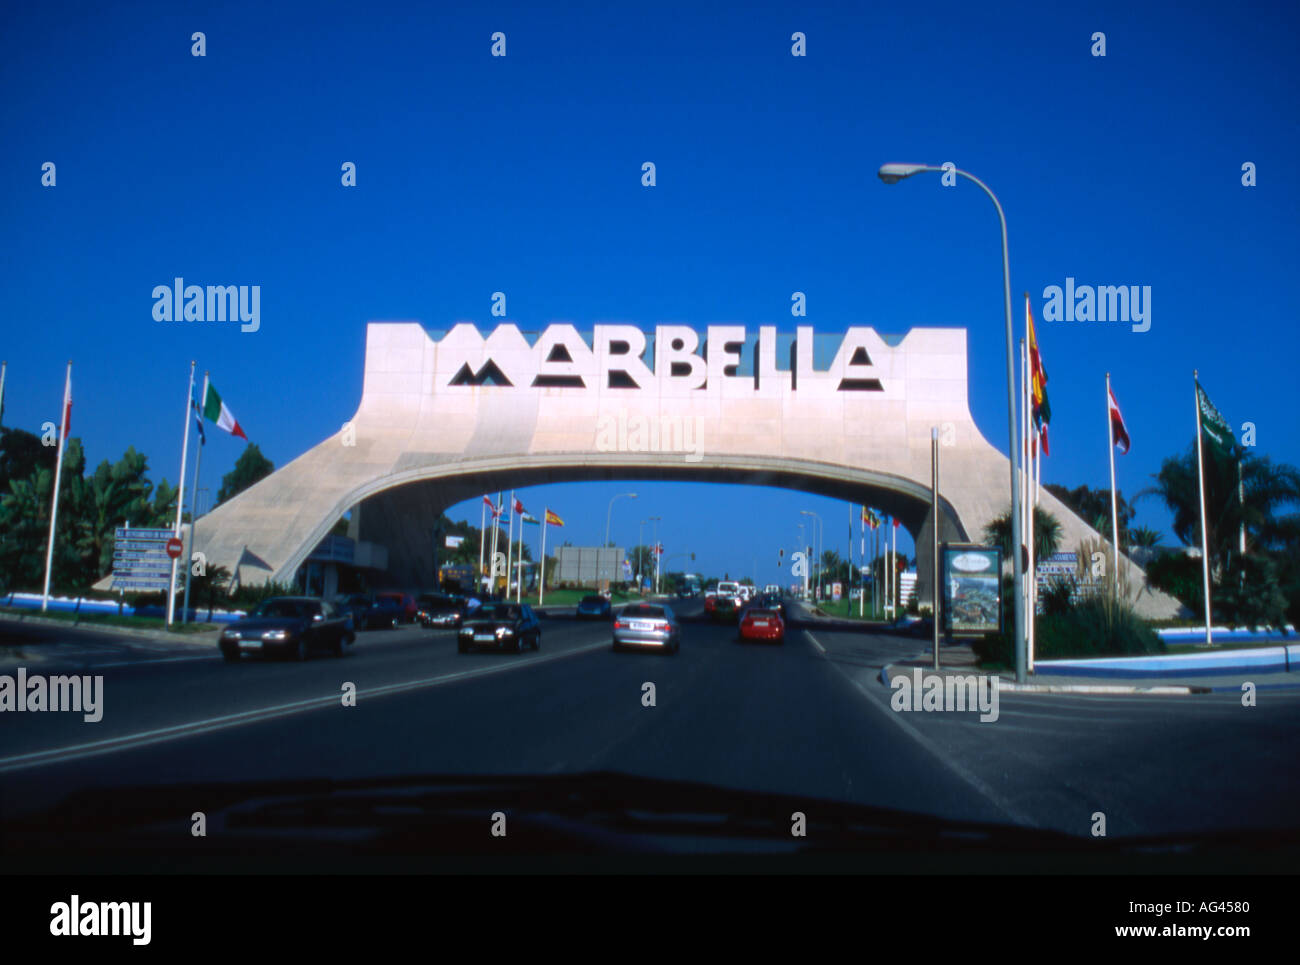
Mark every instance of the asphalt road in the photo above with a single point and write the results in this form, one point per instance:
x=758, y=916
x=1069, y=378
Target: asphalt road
x=809, y=718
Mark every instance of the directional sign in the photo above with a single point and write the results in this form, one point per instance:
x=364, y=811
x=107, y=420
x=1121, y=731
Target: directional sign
x=150, y=534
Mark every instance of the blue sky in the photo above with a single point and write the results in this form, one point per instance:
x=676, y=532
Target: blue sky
x=522, y=174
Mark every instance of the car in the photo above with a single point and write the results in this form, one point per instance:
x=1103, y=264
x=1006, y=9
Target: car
x=440, y=610
x=594, y=608
x=500, y=626
x=647, y=625
x=354, y=605
x=761, y=624
x=772, y=590
x=404, y=601
x=729, y=588
x=288, y=625
x=724, y=608
x=380, y=615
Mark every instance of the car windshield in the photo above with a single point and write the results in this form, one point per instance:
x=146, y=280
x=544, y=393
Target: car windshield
x=588, y=310
x=293, y=609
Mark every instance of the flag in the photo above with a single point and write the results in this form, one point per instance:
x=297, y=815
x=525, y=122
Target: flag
x=67, y=406
x=528, y=518
x=488, y=503
x=214, y=410
x=896, y=521
x=1117, y=425
x=1214, y=426
x=1040, y=406
x=519, y=507
x=198, y=420
x=553, y=520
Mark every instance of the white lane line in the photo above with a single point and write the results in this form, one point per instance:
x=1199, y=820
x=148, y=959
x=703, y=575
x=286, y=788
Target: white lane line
x=969, y=777
x=815, y=643
x=159, y=735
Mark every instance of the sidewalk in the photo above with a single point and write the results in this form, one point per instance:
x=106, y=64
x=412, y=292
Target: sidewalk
x=204, y=638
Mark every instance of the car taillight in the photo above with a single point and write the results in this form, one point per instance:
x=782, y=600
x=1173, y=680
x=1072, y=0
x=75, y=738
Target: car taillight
x=661, y=625
x=619, y=625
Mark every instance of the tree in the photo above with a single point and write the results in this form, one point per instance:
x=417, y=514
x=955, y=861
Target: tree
x=250, y=467
x=1093, y=507
x=1047, y=533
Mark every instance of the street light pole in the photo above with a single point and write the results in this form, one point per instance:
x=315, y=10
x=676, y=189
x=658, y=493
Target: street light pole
x=818, y=533
x=892, y=174
x=609, y=511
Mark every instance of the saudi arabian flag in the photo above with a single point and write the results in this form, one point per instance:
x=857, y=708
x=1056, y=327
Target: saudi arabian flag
x=214, y=410
x=1215, y=427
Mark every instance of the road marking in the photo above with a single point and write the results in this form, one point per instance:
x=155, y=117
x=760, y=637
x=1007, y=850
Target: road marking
x=984, y=789
x=72, y=752
x=808, y=633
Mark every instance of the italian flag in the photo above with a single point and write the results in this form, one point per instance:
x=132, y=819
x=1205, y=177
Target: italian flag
x=214, y=410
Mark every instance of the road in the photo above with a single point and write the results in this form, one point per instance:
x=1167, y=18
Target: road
x=808, y=718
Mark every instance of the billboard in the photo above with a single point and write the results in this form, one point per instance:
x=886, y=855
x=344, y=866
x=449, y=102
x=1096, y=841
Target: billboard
x=972, y=588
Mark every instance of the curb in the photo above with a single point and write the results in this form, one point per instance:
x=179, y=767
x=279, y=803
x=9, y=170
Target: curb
x=1109, y=689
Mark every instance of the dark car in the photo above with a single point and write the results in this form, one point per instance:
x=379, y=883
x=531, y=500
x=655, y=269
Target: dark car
x=288, y=625
x=382, y=614
x=404, y=602
x=440, y=610
x=724, y=609
x=500, y=626
x=594, y=607
x=354, y=605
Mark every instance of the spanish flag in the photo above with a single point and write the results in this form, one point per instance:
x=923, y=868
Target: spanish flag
x=553, y=520
x=1041, y=408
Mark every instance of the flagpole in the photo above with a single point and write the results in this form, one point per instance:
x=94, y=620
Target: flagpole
x=1032, y=581
x=4, y=367
x=541, y=583
x=510, y=538
x=482, y=540
x=194, y=505
x=180, y=495
x=496, y=533
x=862, y=554
x=58, y=475
x=1025, y=512
x=1241, y=502
x=1205, y=539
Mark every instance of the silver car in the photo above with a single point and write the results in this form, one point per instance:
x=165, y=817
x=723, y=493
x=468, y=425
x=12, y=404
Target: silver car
x=647, y=625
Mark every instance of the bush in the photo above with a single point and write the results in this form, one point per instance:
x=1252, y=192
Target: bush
x=1092, y=627
x=1058, y=597
x=1180, y=576
x=1249, y=594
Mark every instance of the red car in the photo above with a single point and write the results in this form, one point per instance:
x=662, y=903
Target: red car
x=762, y=625
x=405, y=603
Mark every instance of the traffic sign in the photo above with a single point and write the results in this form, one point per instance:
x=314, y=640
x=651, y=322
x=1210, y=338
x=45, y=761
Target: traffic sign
x=175, y=547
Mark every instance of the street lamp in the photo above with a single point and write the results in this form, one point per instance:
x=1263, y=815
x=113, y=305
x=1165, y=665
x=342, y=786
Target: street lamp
x=640, y=544
x=818, y=537
x=892, y=174
x=607, y=515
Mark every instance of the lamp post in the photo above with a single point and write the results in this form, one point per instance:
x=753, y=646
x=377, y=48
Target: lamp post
x=640, y=544
x=892, y=174
x=607, y=517
x=818, y=537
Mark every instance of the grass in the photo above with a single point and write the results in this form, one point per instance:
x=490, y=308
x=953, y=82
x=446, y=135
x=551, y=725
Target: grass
x=110, y=619
x=1230, y=645
x=571, y=597
x=847, y=609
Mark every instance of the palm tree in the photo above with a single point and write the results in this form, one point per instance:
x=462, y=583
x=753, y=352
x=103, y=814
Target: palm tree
x=1268, y=488
x=1047, y=533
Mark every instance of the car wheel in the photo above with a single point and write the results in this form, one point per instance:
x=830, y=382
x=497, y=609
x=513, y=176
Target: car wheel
x=461, y=648
x=301, y=652
x=537, y=640
x=339, y=644
x=520, y=642
x=230, y=655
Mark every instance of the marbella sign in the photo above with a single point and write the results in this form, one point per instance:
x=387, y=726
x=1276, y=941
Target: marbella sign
x=672, y=357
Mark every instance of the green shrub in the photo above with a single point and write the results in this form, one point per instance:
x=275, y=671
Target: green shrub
x=1180, y=576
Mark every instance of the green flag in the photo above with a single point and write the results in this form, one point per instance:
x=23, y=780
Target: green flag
x=1215, y=427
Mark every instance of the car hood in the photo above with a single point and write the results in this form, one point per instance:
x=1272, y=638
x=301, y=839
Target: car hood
x=262, y=624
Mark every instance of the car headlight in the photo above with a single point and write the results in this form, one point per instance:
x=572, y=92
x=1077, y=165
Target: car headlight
x=504, y=632
x=230, y=635
x=467, y=631
x=276, y=635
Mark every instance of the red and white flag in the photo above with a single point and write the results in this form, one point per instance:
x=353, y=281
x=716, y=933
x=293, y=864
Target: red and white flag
x=519, y=507
x=1117, y=425
x=67, y=406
